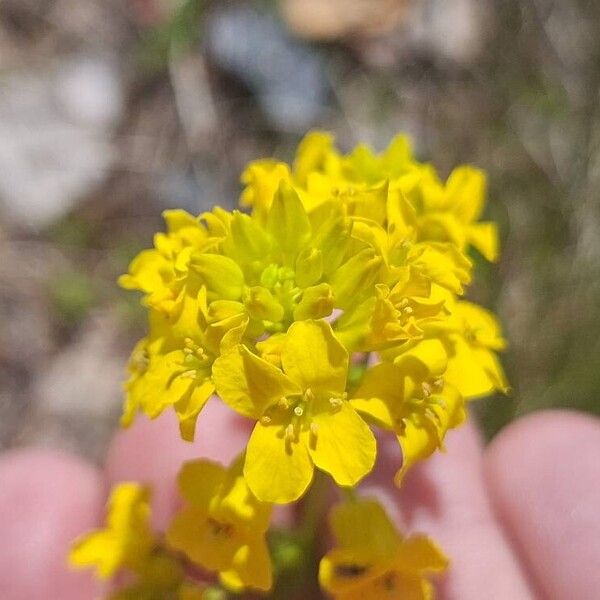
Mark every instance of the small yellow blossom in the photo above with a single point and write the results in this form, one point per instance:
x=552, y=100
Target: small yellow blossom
x=127, y=540
x=373, y=561
x=412, y=401
x=223, y=526
x=472, y=337
x=169, y=370
x=304, y=418
x=127, y=545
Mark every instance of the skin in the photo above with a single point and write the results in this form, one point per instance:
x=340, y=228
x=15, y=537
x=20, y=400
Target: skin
x=519, y=519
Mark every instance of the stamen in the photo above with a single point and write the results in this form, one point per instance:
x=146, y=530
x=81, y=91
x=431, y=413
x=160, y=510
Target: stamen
x=336, y=403
x=265, y=420
x=314, y=429
x=289, y=433
x=191, y=374
x=426, y=389
x=309, y=395
x=432, y=415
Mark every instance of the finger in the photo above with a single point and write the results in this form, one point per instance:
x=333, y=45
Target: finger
x=152, y=452
x=47, y=499
x=445, y=498
x=544, y=478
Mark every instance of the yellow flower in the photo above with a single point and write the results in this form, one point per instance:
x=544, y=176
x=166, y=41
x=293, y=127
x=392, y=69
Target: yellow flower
x=450, y=212
x=411, y=398
x=289, y=267
x=167, y=370
x=262, y=179
x=373, y=561
x=223, y=526
x=127, y=539
x=303, y=416
x=436, y=212
x=472, y=337
x=160, y=271
x=394, y=315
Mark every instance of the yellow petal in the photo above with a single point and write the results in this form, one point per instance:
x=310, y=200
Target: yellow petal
x=343, y=572
x=354, y=277
x=238, y=504
x=251, y=568
x=445, y=264
x=188, y=408
x=200, y=480
x=288, y=222
x=423, y=359
x=247, y=240
x=178, y=219
x=205, y=541
x=262, y=178
x=484, y=237
x=365, y=526
x=222, y=276
x=424, y=429
x=313, y=357
x=317, y=302
x=380, y=394
x=419, y=554
x=248, y=383
x=343, y=444
x=465, y=192
x=97, y=549
x=309, y=267
x=261, y=304
x=276, y=470
x=312, y=153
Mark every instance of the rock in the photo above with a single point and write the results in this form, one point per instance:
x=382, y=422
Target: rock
x=286, y=76
x=55, y=130
x=453, y=30
x=335, y=19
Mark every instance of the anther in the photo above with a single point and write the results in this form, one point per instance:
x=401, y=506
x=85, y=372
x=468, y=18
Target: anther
x=336, y=403
x=309, y=395
x=432, y=415
x=289, y=433
x=426, y=389
x=265, y=420
x=408, y=310
x=314, y=429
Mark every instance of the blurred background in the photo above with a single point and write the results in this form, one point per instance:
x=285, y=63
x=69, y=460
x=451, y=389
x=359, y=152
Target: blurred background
x=113, y=110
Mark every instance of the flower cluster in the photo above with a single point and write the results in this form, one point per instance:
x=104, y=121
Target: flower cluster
x=331, y=307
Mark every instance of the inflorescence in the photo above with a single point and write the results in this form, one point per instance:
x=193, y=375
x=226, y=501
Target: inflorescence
x=330, y=307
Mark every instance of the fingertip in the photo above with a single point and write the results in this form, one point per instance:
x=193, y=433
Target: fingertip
x=47, y=499
x=544, y=479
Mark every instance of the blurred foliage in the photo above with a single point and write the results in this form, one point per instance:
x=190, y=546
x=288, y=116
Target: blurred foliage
x=179, y=31
x=72, y=296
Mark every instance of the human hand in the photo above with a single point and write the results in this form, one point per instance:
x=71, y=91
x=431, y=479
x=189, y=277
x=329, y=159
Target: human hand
x=518, y=519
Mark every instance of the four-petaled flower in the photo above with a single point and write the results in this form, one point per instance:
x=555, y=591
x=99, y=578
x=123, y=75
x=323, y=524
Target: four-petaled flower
x=302, y=412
